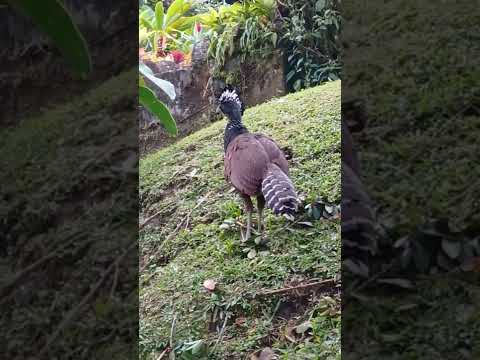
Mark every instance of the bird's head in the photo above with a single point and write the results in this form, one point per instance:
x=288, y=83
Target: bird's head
x=230, y=103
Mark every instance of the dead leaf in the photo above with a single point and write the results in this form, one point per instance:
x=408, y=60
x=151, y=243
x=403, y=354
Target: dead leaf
x=193, y=173
x=252, y=254
x=289, y=334
x=302, y=328
x=240, y=321
x=210, y=284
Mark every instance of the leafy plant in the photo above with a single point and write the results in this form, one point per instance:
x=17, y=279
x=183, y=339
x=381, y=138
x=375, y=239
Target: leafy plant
x=242, y=29
x=162, y=31
x=149, y=100
x=62, y=30
x=309, y=38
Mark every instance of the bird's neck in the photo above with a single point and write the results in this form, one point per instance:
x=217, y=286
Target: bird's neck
x=233, y=129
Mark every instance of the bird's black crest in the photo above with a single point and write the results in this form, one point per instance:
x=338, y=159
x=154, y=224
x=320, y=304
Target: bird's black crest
x=230, y=95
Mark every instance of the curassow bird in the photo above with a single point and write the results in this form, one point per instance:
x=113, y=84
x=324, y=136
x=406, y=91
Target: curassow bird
x=255, y=166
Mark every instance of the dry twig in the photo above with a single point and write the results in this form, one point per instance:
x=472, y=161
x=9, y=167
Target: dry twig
x=74, y=312
x=172, y=332
x=298, y=287
x=11, y=284
x=220, y=334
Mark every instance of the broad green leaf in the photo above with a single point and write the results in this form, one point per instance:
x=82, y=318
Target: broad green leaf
x=159, y=15
x=149, y=101
x=166, y=86
x=147, y=18
x=176, y=9
x=184, y=24
x=52, y=18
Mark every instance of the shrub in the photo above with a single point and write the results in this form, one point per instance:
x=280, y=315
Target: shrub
x=242, y=30
x=164, y=30
x=309, y=37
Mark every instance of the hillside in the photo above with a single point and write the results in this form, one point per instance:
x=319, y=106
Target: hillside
x=193, y=236
x=68, y=209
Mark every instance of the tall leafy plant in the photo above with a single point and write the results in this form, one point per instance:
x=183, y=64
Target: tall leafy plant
x=54, y=20
x=309, y=37
x=161, y=30
x=242, y=29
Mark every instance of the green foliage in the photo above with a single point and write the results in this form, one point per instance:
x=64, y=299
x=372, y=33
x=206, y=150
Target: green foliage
x=242, y=30
x=204, y=6
x=310, y=37
x=150, y=101
x=162, y=30
x=62, y=30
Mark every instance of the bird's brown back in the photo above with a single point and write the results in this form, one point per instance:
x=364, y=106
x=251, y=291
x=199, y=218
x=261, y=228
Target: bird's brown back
x=246, y=161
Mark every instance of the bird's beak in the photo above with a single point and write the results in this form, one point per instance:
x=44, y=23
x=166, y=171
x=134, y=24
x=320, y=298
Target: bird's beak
x=217, y=110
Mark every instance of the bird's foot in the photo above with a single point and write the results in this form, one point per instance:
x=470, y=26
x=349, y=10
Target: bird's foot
x=245, y=235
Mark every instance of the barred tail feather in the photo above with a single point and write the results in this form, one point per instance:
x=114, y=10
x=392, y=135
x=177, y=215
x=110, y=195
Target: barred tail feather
x=279, y=192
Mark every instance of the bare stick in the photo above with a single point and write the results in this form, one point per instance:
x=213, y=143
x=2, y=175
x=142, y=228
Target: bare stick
x=172, y=234
x=6, y=288
x=172, y=333
x=145, y=223
x=200, y=202
x=220, y=334
x=74, y=312
x=162, y=354
x=298, y=287
x=185, y=220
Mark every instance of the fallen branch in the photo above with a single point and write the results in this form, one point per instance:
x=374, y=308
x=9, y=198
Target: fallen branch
x=172, y=333
x=298, y=287
x=185, y=220
x=146, y=222
x=11, y=284
x=220, y=334
x=283, y=228
x=163, y=354
x=74, y=312
x=172, y=234
x=201, y=201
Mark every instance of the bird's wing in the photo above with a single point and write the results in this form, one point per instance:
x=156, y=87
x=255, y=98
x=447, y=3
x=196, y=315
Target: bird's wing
x=273, y=151
x=245, y=163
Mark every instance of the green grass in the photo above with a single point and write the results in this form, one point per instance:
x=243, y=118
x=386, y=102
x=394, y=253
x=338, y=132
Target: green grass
x=195, y=237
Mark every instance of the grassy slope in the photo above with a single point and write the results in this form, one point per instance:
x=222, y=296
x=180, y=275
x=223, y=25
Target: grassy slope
x=425, y=132
x=185, y=184
x=63, y=183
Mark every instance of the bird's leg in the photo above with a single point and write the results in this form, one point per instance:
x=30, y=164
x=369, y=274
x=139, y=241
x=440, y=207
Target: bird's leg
x=260, y=206
x=248, y=209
